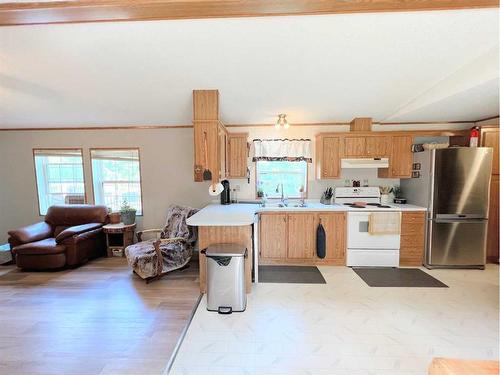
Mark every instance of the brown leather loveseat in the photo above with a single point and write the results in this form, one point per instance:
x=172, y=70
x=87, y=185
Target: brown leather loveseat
x=69, y=236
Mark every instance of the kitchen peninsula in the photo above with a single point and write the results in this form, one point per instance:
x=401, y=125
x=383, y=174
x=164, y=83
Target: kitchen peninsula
x=287, y=235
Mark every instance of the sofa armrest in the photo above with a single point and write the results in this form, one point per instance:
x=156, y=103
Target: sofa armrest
x=87, y=235
x=76, y=230
x=31, y=233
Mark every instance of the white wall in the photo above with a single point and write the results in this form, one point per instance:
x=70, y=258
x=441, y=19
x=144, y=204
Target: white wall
x=166, y=170
x=316, y=187
x=166, y=167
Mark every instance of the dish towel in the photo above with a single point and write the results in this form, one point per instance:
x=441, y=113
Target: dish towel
x=384, y=223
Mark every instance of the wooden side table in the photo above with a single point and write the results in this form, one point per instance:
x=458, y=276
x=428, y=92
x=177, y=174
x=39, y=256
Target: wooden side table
x=118, y=237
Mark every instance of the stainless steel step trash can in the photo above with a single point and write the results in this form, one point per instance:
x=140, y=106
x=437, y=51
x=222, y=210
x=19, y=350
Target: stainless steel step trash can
x=226, y=278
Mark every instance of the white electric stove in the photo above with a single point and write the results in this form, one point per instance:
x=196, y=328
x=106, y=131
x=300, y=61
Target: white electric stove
x=364, y=249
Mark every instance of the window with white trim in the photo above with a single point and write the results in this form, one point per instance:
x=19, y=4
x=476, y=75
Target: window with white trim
x=59, y=177
x=273, y=176
x=116, y=178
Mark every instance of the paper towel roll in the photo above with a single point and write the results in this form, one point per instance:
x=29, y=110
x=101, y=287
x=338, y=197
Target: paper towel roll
x=215, y=189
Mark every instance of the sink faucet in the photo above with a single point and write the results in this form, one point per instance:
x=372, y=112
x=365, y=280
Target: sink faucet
x=283, y=200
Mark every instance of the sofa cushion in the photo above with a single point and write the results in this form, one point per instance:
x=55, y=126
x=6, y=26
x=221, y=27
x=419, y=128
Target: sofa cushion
x=75, y=214
x=77, y=229
x=42, y=247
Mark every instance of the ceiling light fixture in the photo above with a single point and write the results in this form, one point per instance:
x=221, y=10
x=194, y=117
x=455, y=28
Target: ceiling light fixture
x=282, y=121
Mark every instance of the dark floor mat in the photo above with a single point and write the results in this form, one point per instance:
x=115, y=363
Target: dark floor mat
x=398, y=277
x=290, y=274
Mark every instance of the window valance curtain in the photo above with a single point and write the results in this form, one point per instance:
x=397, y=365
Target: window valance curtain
x=282, y=150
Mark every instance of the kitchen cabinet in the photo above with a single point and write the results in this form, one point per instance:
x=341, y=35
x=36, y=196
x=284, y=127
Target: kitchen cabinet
x=400, y=159
x=492, y=241
x=327, y=156
x=354, y=146
x=301, y=236
x=237, y=155
x=412, y=242
x=490, y=138
x=273, y=236
x=210, y=136
x=335, y=230
x=378, y=147
x=290, y=238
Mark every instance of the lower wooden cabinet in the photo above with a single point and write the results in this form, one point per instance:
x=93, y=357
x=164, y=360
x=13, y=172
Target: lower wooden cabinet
x=412, y=245
x=290, y=238
x=335, y=230
x=492, y=242
x=301, y=236
x=273, y=237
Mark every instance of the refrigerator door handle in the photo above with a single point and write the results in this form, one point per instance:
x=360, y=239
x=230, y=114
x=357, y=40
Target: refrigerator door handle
x=458, y=220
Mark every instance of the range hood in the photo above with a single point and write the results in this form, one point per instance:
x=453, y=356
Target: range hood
x=364, y=163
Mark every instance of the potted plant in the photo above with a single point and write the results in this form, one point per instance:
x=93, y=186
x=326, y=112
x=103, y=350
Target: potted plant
x=114, y=217
x=127, y=213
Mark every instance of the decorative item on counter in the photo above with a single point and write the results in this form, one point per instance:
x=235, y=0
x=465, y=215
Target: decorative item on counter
x=260, y=193
x=114, y=217
x=397, y=195
x=347, y=182
x=356, y=183
x=366, y=183
x=384, y=194
x=474, y=136
x=326, y=198
x=127, y=213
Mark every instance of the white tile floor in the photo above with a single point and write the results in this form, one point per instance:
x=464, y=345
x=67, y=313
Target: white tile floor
x=346, y=327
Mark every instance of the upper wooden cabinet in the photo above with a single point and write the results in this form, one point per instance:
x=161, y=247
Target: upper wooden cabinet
x=328, y=156
x=354, y=146
x=237, y=155
x=377, y=147
x=367, y=146
x=210, y=136
x=489, y=138
x=400, y=158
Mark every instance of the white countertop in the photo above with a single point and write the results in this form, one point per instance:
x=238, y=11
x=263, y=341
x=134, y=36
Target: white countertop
x=239, y=214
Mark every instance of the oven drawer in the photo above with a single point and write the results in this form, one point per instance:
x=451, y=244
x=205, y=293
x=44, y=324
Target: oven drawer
x=372, y=258
x=358, y=236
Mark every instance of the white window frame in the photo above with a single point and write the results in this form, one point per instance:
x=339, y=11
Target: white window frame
x=306, y=179
x=102, y=182
x=44, y=173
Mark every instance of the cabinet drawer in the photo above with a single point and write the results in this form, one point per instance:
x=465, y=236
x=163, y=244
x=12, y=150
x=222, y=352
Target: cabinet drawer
x=413, y=217
x=412, y=241
x=413, y=229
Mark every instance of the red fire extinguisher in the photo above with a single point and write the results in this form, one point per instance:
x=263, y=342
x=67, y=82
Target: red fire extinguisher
x=474, y=136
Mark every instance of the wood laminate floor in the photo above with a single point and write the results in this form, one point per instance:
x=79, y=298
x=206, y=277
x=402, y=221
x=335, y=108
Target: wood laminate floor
x=96, y=319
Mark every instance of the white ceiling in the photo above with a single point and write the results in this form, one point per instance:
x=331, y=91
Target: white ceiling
x=418, y=66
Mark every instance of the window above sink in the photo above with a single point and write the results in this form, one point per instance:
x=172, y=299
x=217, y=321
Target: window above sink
x=273, y=177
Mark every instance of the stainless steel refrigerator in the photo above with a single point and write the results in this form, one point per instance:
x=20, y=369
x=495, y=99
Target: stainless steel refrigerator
x=454, y=184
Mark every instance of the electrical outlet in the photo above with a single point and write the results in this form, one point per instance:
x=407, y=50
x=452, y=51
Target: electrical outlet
x=237, y=188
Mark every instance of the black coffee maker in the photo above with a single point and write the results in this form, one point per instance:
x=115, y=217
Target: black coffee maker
x=225, y=196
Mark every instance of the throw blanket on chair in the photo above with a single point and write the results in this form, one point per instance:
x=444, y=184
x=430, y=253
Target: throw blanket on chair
x=175, y=253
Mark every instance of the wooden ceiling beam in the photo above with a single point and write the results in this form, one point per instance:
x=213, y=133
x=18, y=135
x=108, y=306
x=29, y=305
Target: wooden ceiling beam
x=29, y=13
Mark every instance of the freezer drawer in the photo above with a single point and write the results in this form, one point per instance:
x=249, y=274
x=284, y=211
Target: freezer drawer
x=457, y=244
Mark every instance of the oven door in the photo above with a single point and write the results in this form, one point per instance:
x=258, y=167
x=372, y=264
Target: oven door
x=358, y=236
